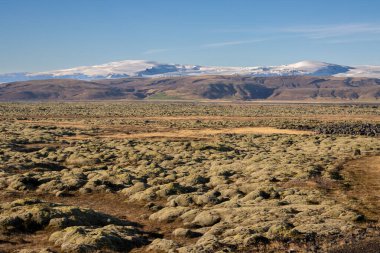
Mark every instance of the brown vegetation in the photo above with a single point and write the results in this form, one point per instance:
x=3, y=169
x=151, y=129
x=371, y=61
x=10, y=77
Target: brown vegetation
x=291, y=88
x=188, y=177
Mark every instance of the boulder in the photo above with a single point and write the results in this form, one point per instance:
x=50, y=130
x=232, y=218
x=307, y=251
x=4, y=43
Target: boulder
x=184, y=232
x=80, y=239
x=168, y=214
x=206, y=219
x=163, y=245
x=29, y=215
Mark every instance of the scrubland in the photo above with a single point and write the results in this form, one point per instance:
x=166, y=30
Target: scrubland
x=189, y=177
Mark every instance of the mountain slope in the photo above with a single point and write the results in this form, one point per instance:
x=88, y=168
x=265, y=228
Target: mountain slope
x=235, y=87
x=140, y=68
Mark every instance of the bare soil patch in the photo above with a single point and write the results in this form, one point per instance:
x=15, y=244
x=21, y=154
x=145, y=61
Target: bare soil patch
x=190, y=133
x=363, y=176
x=196, y=133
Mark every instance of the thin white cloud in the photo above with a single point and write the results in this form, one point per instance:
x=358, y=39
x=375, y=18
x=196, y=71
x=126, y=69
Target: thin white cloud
x=239, y=30
x=351, y=40
x=330, y=31
x=311, y=31
x=155, y=51
x=231, y=43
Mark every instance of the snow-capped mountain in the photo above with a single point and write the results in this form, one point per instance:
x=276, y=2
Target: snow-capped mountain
x=141, y=68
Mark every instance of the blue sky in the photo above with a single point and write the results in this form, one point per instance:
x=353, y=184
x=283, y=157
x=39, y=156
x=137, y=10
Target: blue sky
x=38, y=35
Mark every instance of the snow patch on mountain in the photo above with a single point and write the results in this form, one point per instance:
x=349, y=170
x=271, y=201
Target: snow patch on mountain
x=121, y=68
x=362, y=71
x=142, y=68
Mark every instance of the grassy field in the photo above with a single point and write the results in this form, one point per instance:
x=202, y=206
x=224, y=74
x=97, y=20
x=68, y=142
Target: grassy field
x=189, y=177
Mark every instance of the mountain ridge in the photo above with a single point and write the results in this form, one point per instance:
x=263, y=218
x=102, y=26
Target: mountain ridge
x=152, y=69
x=209, y=87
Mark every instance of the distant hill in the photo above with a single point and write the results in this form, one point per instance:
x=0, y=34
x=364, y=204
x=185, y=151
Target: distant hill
x=230, y=87
x=151, y=69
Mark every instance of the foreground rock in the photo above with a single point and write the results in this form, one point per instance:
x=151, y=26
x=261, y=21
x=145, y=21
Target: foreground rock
x=77, y=229
x=30, y=215
x=163, y=245
x=108, y=238
x=236, y=193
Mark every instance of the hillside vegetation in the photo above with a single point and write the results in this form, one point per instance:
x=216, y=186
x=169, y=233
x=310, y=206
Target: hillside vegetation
x=293, y=88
